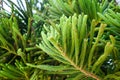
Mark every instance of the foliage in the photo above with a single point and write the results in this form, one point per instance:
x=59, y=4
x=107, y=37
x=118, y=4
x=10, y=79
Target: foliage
x=69, y=7
x=17, y=45
x=70, y=42
x=21, y=12
x=64, y=40
x=112, y=19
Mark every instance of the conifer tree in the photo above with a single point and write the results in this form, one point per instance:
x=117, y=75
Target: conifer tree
x=65, y=40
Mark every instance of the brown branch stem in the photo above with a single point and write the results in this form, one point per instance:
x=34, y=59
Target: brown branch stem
x=81, y=70
x=88, y=74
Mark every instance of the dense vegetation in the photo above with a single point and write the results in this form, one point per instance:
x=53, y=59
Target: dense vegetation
x=62, y=40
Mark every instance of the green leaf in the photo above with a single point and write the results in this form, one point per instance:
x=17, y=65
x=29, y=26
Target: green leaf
x=100, y=33
x=49, y=67
x=108, y=49
x=65, y=72
x=8, y=75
